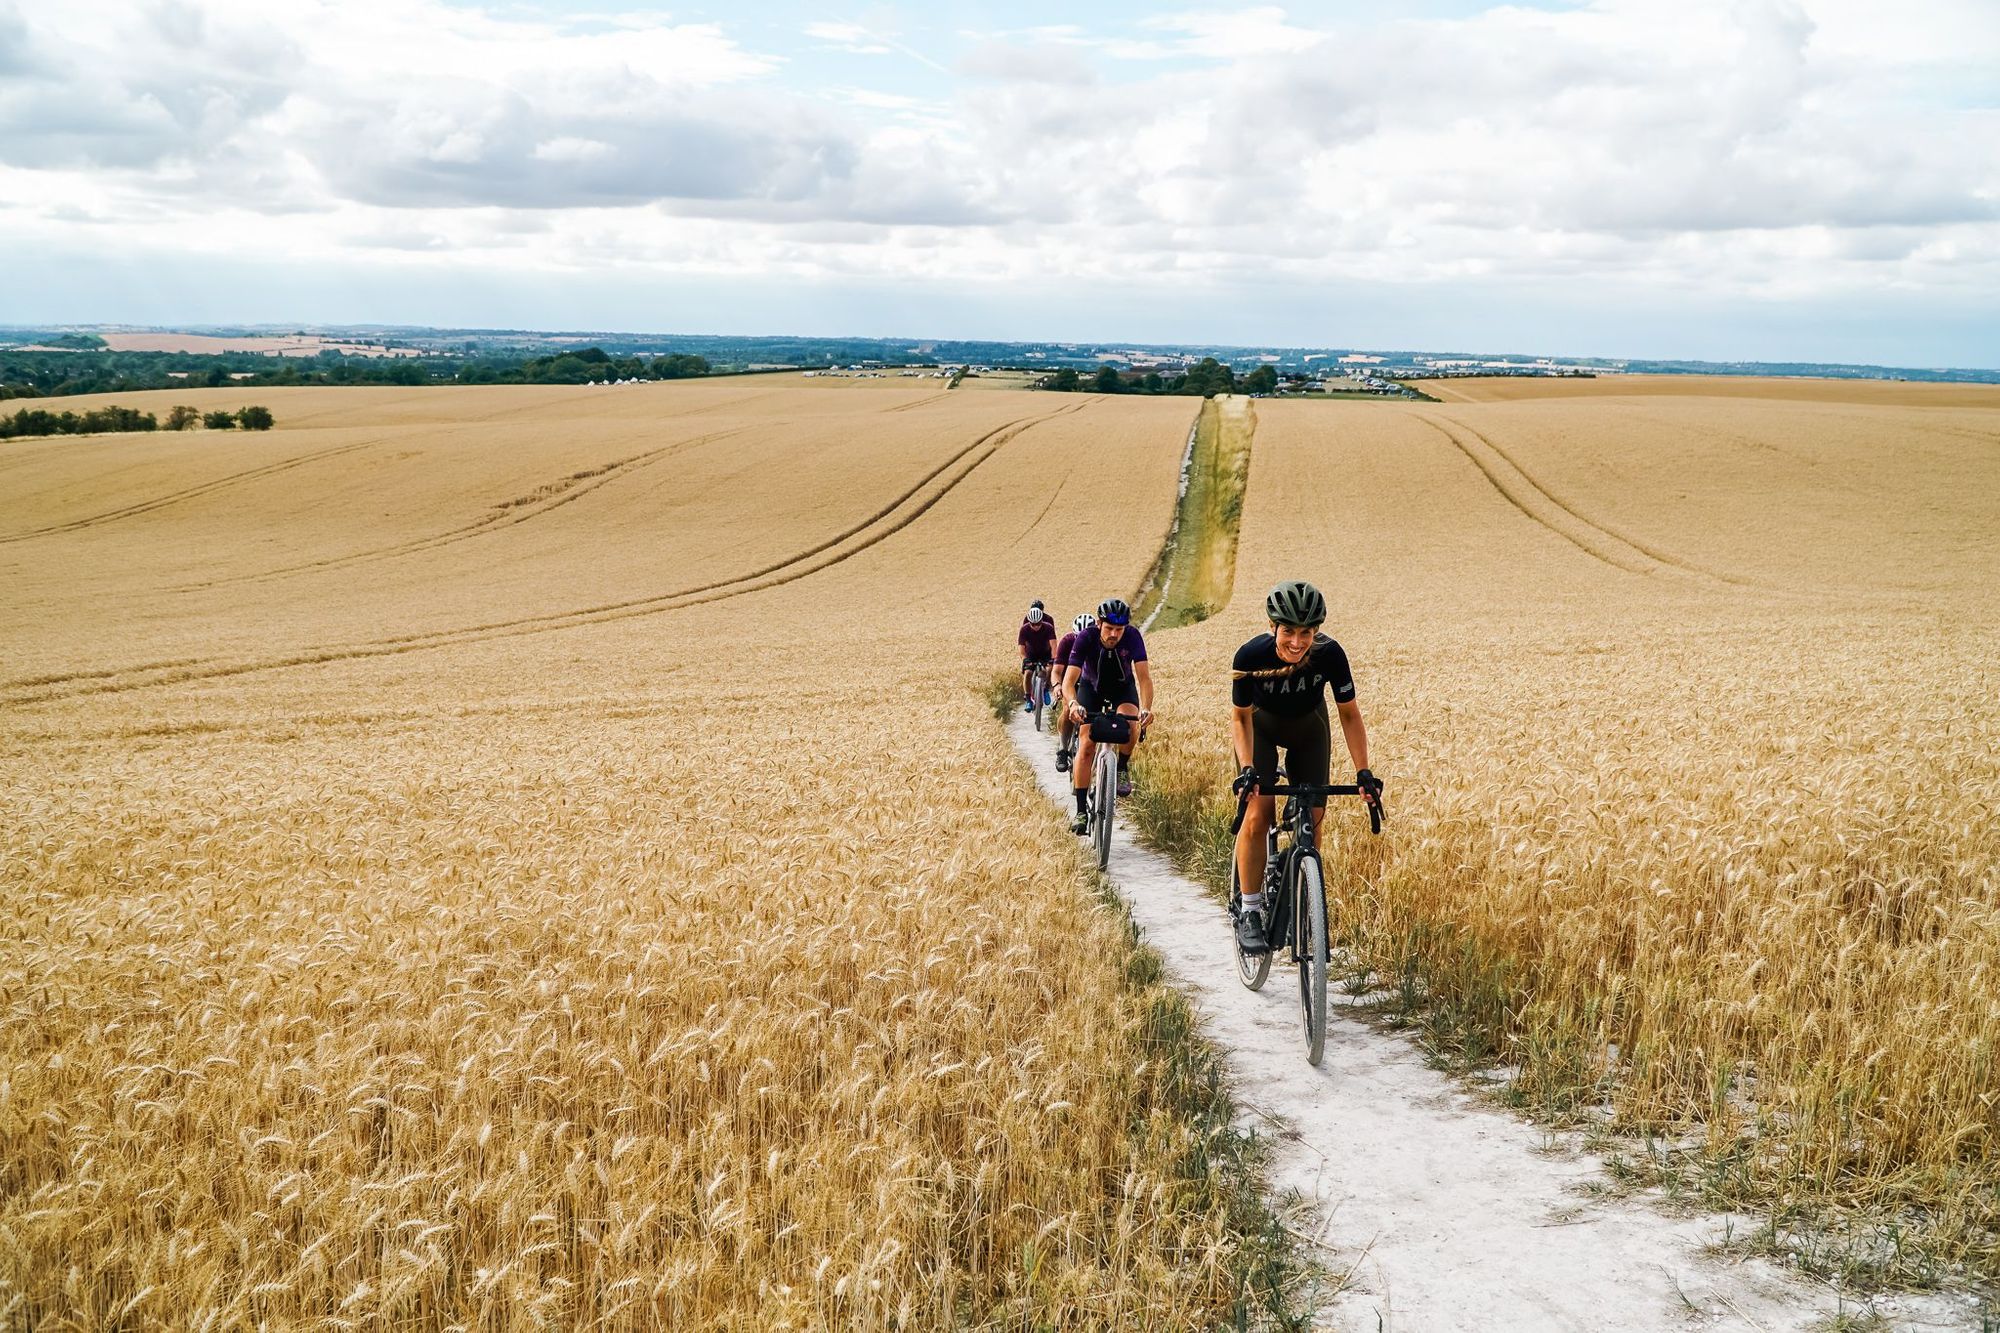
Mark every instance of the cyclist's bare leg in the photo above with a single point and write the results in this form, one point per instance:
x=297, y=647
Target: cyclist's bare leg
x=1250, y=843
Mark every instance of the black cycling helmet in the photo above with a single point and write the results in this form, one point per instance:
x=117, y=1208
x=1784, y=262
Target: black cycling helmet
x=1113, y=611
x=1296, y=603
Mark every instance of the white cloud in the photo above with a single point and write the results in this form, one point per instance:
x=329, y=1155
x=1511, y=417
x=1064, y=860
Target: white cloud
x=1235, y=34
x=851, y=37
x=1768, y=147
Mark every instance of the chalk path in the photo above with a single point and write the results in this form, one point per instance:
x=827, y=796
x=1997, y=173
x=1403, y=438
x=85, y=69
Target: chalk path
x=1449, y=1213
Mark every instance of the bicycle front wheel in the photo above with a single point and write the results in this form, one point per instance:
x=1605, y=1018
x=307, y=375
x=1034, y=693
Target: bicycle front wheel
x=1312, y=946
x=1252, y=969
x=1040, y=686
x=1104, y=802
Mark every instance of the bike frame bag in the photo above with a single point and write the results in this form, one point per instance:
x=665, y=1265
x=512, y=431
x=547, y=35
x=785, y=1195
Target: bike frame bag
x=1111, y=729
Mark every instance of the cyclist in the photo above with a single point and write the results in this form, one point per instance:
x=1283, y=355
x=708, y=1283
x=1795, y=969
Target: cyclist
x=1038, y=641
x=1107, y=669
x=1279, y=698
x=1066, y=729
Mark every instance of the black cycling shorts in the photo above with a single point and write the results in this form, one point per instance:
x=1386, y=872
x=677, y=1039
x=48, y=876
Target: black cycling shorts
x=1307, y=741
x=1097, y=697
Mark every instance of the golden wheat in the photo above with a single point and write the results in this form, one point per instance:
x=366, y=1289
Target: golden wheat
x=424, y=919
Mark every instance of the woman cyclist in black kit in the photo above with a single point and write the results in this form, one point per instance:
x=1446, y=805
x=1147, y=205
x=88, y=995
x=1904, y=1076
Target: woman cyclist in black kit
x=1279, y=697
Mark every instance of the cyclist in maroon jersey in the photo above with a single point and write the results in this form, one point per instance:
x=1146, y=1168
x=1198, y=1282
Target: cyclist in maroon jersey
x=1038, y=645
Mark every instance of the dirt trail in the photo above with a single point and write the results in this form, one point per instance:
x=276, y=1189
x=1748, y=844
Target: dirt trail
x=1449, y=1213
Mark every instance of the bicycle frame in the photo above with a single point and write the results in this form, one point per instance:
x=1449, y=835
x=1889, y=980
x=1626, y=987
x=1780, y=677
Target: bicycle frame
x=1103, y=779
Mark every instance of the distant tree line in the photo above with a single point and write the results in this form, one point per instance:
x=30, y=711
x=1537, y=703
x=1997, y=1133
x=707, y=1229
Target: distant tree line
x=62, y=374
x=1204, y=379
x=590, y=365
x=103, y=420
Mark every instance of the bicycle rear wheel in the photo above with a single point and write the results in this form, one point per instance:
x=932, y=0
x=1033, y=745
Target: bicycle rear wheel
x=1251, y=968
x=1104, y=801
x=1311, y=937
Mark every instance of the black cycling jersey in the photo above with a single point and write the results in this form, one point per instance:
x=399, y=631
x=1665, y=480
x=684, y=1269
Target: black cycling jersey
x=1265, y=680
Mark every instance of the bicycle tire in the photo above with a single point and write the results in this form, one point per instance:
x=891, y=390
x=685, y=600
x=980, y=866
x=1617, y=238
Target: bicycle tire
x=1311, y=891
x=1104, y=801
x=1252, y=969
x=1040, y=685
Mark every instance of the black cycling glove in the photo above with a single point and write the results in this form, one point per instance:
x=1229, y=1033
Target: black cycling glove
x=1245, y=780
x=1369, y=783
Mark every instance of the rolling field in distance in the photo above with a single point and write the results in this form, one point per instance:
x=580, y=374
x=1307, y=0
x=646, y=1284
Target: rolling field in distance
x=489, y=856
x=1690, y=715
x=1881, y=393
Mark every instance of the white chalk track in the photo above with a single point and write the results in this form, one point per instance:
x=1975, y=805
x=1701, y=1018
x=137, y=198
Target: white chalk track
x=1444, y=1212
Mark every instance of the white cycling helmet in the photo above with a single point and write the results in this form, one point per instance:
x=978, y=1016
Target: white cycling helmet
x=1083, y=622
x=1035, y=615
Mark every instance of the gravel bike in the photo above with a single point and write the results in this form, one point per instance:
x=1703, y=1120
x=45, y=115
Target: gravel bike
x=1109, y=731
x=1038, y=692
x=1294, y=899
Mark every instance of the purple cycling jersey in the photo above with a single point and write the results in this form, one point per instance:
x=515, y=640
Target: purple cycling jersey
x=1098, y=664
x=1063, y=648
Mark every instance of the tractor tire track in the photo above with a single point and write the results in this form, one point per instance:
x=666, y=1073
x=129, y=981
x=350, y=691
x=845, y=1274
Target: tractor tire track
x=1629, y=553
x=891, y=519
x=552, y=496
x=1053, y=496
x=189, y=493
x=1517, y=496
x=915, y=403
x=1651, y=552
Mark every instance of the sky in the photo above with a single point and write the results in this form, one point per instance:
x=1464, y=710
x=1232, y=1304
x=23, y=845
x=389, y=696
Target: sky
x=1797, y=180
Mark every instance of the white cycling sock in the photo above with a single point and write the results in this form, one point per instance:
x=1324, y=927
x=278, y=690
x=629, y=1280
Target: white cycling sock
x=1253, y=902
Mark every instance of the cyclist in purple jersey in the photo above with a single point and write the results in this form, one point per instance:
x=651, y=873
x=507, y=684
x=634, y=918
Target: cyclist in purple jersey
x=1066, y=729
x=1107, y=670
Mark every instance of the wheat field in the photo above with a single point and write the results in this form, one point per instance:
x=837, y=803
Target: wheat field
x=1689, y=711
x=539, y=857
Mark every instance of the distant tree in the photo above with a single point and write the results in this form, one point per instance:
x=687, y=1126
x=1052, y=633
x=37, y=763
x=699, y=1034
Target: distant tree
x=1107, y=380
x=1209, y=377
x=182, y=418
x=33, y=421
x=1153, y=383
x=219, y=420
x=1064, y=380
x=1264, y=379
x=216, y=377
x=679, y=366
x=255, y=418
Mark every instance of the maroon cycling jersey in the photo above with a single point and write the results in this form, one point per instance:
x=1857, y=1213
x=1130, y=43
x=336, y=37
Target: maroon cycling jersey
x=1039, y=640
x=1063, y=648
x=1101, y=665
